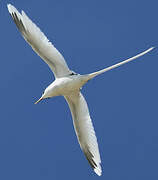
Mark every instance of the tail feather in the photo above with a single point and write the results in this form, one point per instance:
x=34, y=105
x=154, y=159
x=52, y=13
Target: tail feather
x=92, y=75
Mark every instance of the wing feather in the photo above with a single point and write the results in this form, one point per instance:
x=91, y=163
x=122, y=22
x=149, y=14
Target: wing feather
x=39, y=42
x=84, y=129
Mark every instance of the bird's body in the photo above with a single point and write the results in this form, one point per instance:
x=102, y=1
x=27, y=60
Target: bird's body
x=67, y=84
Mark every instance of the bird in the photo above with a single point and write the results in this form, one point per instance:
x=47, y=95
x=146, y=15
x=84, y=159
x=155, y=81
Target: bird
x=67, y=83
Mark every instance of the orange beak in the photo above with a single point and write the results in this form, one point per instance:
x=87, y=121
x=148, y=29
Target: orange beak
x=38, y=100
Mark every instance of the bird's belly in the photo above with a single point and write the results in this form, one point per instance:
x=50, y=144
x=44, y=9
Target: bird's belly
x=65, y=86
x=68, y=87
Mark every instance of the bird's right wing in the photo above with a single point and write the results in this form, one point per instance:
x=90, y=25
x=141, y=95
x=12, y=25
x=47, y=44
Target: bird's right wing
x=39, y=42
x=84, y=129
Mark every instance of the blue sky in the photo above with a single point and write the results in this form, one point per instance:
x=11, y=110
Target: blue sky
x=38, y=141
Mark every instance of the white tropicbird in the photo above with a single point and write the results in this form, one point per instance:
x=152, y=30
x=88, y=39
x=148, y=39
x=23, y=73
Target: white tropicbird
x=67, y=83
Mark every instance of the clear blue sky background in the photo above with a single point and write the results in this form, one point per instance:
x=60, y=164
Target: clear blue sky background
x=38, y=141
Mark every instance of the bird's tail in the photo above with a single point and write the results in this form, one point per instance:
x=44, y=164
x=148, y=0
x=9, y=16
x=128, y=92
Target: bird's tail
x=92, y=75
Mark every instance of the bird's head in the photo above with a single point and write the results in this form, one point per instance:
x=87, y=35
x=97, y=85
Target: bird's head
x=45, y=95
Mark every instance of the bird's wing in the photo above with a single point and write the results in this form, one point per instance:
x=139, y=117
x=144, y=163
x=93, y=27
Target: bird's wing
x=84, y=129
x=39, y=42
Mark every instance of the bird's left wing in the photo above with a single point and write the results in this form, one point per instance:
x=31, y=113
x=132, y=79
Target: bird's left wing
x=39, y=42
x=84, y=129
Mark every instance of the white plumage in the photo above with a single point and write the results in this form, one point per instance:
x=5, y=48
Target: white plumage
x=67, y=84
x=39, y=43
x=84, y=129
